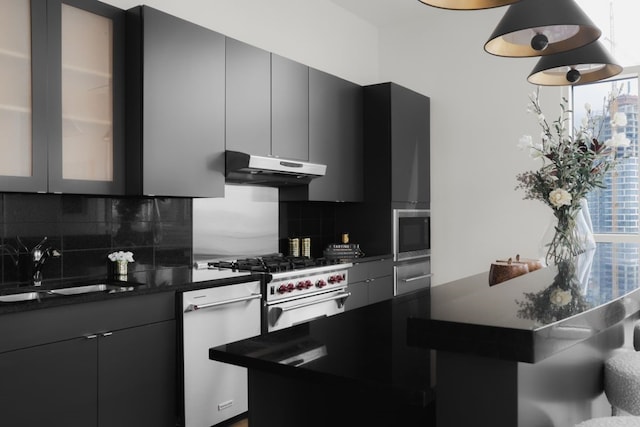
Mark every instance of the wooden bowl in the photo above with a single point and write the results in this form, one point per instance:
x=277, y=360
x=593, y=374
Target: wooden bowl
x=502, y=271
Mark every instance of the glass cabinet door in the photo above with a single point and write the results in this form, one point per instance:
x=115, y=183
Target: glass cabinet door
x=22, y=94
x=86, y=140
x=87, y=95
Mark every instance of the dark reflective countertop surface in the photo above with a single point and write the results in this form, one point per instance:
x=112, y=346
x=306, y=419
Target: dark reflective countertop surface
x=535, y=315
x=367, y=346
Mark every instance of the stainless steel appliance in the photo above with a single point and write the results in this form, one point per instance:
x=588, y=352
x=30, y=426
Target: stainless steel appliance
x=411, y=250
x=411, y=234
x=274, y=171
x=300, y=289
x=214, y=391
x=413, y=275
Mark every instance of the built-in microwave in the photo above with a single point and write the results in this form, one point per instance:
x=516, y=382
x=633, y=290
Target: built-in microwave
x=411, y=234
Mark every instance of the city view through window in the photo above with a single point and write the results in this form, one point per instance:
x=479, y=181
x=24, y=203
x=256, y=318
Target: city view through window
x=615, y=209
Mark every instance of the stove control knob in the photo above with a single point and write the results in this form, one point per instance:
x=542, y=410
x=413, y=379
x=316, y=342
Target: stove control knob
x=290, y=287
x=321, y=283
x=282, y=289
x=332, y=279
x=339, y=278
x=300, y=285
x=308, y=284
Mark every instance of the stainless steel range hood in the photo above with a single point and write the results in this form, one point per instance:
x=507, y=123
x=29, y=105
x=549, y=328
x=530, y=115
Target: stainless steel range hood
x=246, y=168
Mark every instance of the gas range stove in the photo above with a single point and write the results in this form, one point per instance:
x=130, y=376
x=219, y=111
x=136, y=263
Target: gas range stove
x=290, y=276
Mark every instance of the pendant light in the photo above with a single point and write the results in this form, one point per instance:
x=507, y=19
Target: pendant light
x=586, y=64
x=467, y=4
x=541, y=27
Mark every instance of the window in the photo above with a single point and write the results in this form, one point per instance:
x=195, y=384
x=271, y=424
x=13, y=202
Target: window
x=615, y=210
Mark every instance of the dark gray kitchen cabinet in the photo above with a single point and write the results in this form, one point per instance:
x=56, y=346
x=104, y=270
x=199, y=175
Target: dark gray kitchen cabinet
x=370, y=282
x=62, y=114
x=176, y=106
x=397, y=155
x=136, y=372
x=248, y=98
x=289, y=109
x=105, y=364
x=336, y=137
x=47, y=384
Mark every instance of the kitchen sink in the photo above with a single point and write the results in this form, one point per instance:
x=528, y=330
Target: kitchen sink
x=37, y=293
x=23, y=296
x=86, y=289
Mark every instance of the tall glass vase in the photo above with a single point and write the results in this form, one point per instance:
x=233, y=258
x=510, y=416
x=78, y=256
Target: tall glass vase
x=569, y=234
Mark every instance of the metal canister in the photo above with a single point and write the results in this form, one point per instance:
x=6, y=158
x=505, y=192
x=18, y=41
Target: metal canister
x=345, y=238
x=294, y=246
x=306, y=247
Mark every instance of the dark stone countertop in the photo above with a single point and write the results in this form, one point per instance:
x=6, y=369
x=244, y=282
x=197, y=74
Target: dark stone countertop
x=136, y=283
x=516, y=319
x=364, y=347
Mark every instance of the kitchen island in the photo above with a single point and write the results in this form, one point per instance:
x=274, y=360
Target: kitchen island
x=506, y=354
x=352, y=369
x=529, y=352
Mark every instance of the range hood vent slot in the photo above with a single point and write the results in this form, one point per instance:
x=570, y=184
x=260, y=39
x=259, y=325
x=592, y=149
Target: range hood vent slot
x=243, y=168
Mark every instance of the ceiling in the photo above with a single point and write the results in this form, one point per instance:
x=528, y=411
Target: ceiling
x=385, y=12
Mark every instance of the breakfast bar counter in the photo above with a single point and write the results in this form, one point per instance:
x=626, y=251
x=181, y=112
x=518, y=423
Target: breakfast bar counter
x=529, y=351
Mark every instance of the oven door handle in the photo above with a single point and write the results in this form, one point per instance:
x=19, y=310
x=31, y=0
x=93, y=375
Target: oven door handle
x=194, y=307
x=413, y=279
x=277, y=311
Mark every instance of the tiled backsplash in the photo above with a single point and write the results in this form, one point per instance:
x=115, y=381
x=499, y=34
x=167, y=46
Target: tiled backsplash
x=86, y=229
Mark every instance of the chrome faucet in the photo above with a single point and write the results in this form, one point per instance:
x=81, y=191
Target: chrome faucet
x=39, y=254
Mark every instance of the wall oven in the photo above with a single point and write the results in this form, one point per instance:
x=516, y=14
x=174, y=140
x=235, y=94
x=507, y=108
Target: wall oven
x=411, y=234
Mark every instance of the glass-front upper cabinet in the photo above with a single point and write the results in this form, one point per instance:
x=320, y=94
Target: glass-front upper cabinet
x=23, y=96
x=86, y=142
x=61, y=96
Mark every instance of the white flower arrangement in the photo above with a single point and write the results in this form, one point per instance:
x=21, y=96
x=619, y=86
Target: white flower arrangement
x=560, y=298
x=121, y=256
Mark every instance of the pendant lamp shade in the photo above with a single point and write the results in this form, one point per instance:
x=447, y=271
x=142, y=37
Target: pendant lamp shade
x=586, y=64
x=467, y=4
x=541, y=27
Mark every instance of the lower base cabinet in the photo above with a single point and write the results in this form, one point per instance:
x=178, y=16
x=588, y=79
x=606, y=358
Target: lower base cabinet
x=122, y=377
x=370, y=282
x=47, y=385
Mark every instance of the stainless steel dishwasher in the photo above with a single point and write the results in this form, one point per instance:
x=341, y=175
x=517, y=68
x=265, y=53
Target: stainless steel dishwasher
x=214, y=391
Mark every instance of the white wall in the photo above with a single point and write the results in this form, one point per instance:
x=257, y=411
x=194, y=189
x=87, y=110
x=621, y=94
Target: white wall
x=478, y=107
x=478, y=113
x=317, y=33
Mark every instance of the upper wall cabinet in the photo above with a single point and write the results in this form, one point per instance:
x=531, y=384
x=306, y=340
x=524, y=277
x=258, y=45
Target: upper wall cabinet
x=267, y=103
x=335, y=137
x=62, y=106
x=176, y=106
x=248, y=104
x=23, y=135
x=289, y=109
x=397, y=155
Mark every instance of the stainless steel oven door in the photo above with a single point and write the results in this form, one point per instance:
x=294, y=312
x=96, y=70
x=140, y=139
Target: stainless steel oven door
x=290, y=312
x=410, y=276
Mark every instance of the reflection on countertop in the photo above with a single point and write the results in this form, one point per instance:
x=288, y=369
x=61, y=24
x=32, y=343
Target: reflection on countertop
x=535, y=315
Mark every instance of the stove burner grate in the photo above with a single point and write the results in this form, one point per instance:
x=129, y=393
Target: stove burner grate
x=272, y=264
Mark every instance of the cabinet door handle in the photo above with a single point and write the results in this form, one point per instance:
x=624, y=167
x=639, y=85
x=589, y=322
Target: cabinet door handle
x=369, y=280
x=107, y=334
x=424, y=276
x=91, y=337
